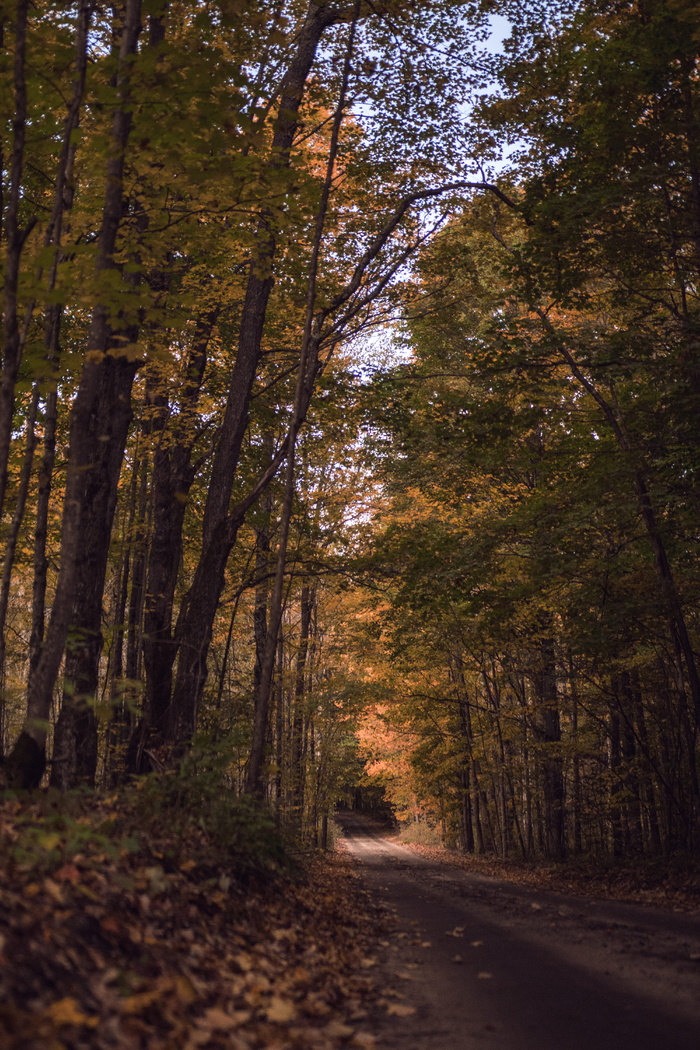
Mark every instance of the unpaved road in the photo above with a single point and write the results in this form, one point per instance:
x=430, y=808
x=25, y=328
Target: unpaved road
x=494, y=965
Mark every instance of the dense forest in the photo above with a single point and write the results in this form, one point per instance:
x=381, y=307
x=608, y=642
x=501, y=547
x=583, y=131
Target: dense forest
x=348, y=412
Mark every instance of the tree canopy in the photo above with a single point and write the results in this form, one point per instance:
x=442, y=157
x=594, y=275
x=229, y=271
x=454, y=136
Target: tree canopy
x=348, y=409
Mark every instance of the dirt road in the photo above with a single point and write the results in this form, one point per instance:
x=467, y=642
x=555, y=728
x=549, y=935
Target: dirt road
x=489, y=964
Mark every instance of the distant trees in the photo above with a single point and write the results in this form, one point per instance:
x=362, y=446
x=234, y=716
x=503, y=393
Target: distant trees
x=545, y=437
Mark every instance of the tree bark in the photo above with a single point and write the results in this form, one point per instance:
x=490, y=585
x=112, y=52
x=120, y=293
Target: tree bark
x=100, y=420
x=12, y=343
x=173, y=474
x=552, y=764
x=297, y=763
x=15, y=526
x=195, y=623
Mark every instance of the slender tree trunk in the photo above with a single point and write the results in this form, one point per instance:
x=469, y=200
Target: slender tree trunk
x=219, y=531
x=15, y=526
x=41, y=525
x=63, y=203
x=279, y=725
x=298, y=773
x=134, y=626
x=262, y=568
x=614, y=762
x=115, y=667
x=226, y=658
x=173, y=474
x=466, y=779
x=576, y=805
x=552, y=764
x=15, y=236
x=635, y=834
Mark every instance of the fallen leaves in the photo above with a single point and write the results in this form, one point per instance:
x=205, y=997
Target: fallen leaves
x=649, y=883
x=150, y=947
x=400, y=1010
x=281, y=1010
x=67, y=1011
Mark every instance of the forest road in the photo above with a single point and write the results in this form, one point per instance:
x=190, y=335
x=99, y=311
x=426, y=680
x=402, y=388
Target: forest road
x=495, y=965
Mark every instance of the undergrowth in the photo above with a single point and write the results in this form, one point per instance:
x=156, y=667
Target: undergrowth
x=180, y=815
x=420, y=834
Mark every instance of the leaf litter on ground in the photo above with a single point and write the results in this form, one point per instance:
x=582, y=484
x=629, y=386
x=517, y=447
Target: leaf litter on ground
x=115, y=940
x=673, y=885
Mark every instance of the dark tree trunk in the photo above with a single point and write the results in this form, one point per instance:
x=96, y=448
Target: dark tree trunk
x=262, y=569
x=173, y=474
x=119, y=717
x=15, y=237
x=576, y=804
x=13, y=536
x=195, y=622
x=466, y=779
x=552, y=763
x=98, y=442
x=297, y=760
x=100, y=421
x=615, y=761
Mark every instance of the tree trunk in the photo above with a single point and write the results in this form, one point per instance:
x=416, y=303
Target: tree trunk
x=297, y=764
x=13, y=536
x=100, y=420
x=576, y=805
x=195, y=622
x=173, y=474
x=614, y=762
x=15, y=237
x=552, y=764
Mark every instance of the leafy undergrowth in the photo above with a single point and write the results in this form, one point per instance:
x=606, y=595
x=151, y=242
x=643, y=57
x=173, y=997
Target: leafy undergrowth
x=124, y=930
x=673, y=885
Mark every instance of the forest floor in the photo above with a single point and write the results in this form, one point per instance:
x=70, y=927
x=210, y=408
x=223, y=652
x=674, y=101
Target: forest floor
x=117, y=932
x=671, y=884
x=120, y=930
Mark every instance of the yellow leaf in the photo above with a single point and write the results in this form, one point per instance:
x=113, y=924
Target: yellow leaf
x=67, y=1011
x=338, y=1030
x=134, y=1004
x=54, y=890
x=216, y=1019
x=50, y=841
x=185, y=990
x=400, y=1010
x=280, y=935
x=281, y=1010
